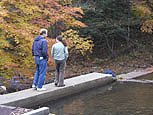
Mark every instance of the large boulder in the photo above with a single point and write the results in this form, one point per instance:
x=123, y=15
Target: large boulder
x=2, y=89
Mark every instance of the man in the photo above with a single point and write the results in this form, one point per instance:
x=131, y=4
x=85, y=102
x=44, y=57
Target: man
x=40, y=51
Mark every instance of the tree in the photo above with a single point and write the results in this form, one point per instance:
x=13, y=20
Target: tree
x=20, y=22
x=144, y=10
x=78, y=46
x=107, y=23
x=112, y=24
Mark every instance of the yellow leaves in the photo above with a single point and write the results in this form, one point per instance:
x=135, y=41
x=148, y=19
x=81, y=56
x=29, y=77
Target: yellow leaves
x=16, y=40
x=76, y=43
x=144, y=12
x=4, y=43
x=26, y=9
x=141, y=11
x=79, y=24
x=72, y=22
x=35, y=8
x=77, y=9
x=5, y=59
x=66, y=2
x=3, y=12
x=71, y=11
x=1, y=20
x=20, y=22
x=147, y=26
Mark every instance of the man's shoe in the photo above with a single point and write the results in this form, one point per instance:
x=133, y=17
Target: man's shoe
x=33, y=86
x=61, y=85
x=41, y=89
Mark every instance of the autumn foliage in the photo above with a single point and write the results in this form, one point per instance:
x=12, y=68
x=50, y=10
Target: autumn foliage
x=143, y=10
x=20, y=22
x=76, y=44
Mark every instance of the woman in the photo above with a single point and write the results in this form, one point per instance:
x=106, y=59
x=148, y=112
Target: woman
x=59, y=53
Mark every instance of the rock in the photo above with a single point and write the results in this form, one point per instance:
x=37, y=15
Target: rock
x=2, y=89
x=8, y=110
x=2, y=78
x=18, y=83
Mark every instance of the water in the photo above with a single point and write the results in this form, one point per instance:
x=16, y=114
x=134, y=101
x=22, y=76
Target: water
x=148, y=77
x=114, y=99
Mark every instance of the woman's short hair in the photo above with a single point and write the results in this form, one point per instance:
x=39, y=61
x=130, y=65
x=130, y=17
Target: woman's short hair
x=60, y=38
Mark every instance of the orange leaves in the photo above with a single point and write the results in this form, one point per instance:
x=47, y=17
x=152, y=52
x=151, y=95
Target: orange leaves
x=20, y=22
x=54, y=12
x=79, y=24
x=72, y=11
x=1, y=20
x=40, y=21
x=3, y=13
x=50, y=42
x=71, y=22
x=69, y=15
x=78, y=9
x=144, y=12
x=147, y=26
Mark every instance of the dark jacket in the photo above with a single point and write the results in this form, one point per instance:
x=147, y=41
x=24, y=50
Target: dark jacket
x=40, y=48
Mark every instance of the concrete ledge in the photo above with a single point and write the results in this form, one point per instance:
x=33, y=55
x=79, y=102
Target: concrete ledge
x=133, y=75
x=40, y=111
x=138, y=81
x=31, y=97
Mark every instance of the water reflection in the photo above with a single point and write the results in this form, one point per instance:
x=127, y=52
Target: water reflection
x=148, y=77
x=76, y=104
x=114, y=99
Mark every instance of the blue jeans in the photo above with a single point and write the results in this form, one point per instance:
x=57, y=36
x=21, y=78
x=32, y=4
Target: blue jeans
x=40, y=74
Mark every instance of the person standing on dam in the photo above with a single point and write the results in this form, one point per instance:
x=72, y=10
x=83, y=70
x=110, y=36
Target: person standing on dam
x=40, y=51
x=59, y=53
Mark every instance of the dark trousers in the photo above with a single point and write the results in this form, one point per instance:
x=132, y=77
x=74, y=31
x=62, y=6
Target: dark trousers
x=60, y=70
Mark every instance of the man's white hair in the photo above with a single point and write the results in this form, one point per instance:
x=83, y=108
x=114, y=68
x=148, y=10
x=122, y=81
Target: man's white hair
x=41, y=30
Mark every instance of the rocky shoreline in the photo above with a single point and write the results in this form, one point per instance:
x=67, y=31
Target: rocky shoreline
x=117, y=66
x=7, y=110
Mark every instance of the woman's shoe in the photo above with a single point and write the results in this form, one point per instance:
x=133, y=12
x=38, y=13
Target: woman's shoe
x=55, y=84
x=61, y=85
